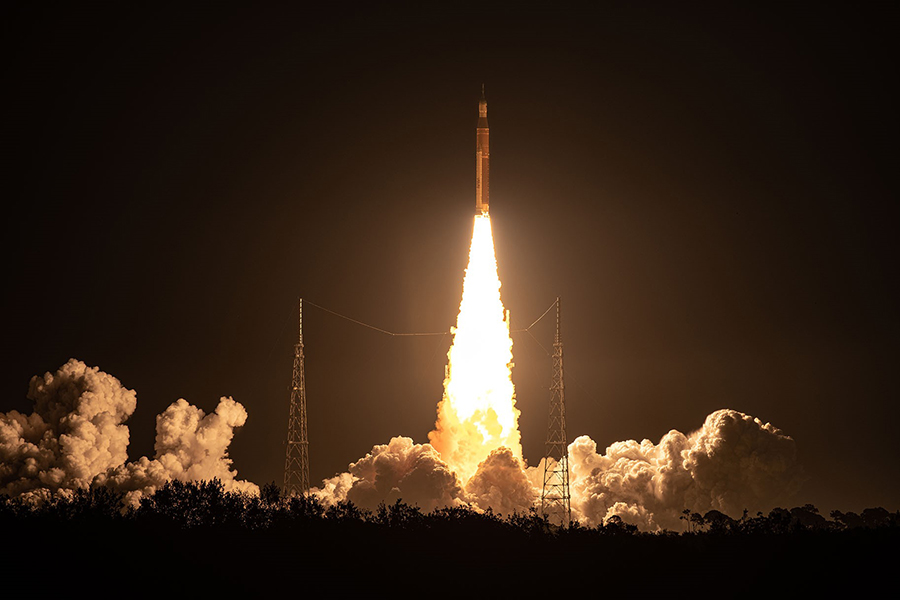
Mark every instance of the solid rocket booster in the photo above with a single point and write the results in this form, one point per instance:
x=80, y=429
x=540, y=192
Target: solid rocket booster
x=482, y=158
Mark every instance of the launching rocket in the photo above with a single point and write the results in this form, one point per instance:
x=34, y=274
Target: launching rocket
x=482, y=158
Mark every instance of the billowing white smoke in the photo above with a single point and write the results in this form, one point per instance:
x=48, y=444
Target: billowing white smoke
x=500, y=483
x=74, y=434
x=416, y=474
x=76, y=438
x=401, y=469
x=190, y=446
x=733, y=462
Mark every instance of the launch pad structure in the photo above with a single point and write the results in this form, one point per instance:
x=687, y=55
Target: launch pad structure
x=555, y=497
x=296, y=461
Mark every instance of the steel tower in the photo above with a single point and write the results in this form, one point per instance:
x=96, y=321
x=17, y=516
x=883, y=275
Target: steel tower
x=296, y=461
x=555, y=504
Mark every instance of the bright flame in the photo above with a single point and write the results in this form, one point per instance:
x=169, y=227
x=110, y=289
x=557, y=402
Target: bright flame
x=478, y=411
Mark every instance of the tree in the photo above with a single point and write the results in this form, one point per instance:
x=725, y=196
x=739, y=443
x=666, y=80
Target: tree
x=270, y=493
x=616, y=526
x=346, y=511
x=698, y=521
x=686, y=517
x=719, y=522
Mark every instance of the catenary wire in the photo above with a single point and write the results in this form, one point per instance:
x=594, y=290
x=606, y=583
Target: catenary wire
x=392, y=333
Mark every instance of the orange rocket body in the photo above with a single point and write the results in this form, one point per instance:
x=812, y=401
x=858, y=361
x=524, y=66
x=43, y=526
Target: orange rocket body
x=482, y=159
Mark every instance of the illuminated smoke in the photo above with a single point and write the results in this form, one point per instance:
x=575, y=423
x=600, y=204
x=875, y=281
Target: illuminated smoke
x=76, y=437
x=401, y=469
x=731, y=463
x=501, y=484
x=477, y=414
x=74, y=434
x=190, y=446
x=416, y=474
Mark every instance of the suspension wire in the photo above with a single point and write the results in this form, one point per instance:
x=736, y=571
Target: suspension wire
x=438, y=347
x=442, y=333
x=445, y=333
x=547, y=352
x=549, y=308
x=582, y=388
x=378, y=329
x=569, y=375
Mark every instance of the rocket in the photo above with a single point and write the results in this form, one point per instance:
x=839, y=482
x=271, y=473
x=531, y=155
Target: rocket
x=482, y=158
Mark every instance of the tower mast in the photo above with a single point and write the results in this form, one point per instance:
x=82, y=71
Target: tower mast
x=296, y=462
x=555, y=505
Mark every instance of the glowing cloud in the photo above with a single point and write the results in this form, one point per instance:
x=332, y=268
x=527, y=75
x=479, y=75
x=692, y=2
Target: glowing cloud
x=399, y=470
x=733, y=462
x=76, y=438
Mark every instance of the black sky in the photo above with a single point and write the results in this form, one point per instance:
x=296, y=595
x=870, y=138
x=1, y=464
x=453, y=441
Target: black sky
x=711, y=190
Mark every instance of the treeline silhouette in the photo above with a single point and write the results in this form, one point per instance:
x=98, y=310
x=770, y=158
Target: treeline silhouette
x=198, y=537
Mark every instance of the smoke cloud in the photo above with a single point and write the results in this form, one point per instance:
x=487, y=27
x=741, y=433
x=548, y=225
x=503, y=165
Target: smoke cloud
x=76, y=437
x=732, y=462
x=416, y=474
x=501, y=484
x=190, y=446
x=75, y=433
x=401, y=469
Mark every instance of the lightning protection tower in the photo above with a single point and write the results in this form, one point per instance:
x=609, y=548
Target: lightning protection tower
x=555, y=493
x=296, y=461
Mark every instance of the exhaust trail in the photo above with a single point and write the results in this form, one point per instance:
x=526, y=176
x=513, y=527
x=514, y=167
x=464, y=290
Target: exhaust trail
x=478, y=413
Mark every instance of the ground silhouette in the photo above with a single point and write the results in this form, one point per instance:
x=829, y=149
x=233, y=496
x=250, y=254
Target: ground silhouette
x=198, y=538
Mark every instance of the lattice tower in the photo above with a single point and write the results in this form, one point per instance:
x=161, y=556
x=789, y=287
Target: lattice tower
x=555, y=503
x=296, y=461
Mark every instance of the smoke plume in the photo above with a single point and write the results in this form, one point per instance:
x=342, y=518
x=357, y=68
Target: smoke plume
x=501, y=484
x=76, y=437
x=401, y=469
x=732, y=462
x=416, y=474
x=190, y=446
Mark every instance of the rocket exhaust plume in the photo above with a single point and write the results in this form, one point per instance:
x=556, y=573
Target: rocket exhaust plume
x=475, y=455
x=477, y=413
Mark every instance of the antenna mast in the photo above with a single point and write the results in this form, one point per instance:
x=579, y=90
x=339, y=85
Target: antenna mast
x=296, y=462
x=555, y=505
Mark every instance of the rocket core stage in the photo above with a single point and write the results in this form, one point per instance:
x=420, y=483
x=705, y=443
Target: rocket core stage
x=482, y=158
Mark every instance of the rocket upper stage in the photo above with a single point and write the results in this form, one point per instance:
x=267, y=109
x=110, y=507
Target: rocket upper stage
x=482, y=159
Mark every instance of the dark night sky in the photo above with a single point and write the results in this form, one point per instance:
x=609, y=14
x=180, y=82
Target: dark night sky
x=711, y=191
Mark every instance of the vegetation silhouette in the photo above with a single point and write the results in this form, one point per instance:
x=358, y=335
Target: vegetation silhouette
x=197, y=537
